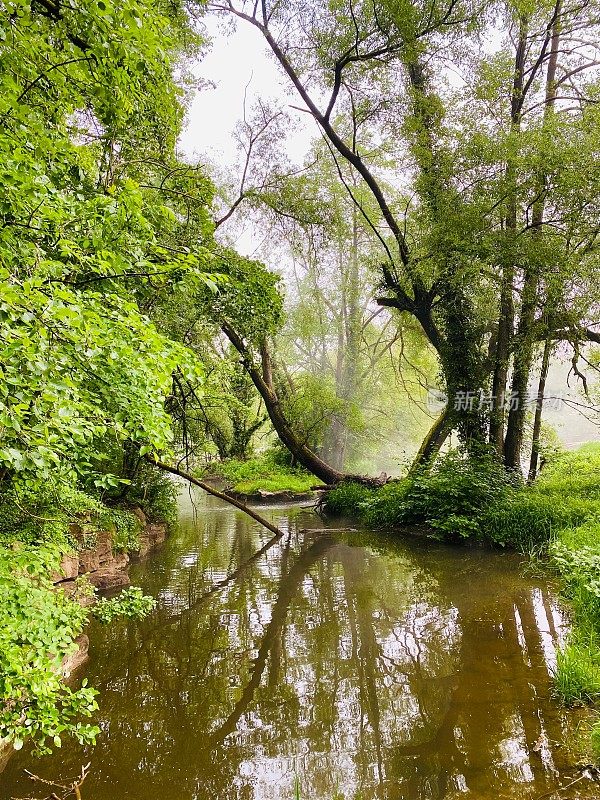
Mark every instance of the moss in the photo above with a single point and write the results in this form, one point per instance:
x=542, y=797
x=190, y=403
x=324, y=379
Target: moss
x=263, y=474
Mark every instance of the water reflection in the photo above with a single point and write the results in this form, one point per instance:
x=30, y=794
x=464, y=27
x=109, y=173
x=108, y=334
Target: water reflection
x=361, y=666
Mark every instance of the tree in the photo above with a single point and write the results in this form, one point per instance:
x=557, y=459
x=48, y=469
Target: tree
x=90, y=115
x=497, y=196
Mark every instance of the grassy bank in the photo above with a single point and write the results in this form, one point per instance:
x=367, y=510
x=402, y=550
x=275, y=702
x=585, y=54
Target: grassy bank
x=263, y=474
x=39, y=622
x=557, y=518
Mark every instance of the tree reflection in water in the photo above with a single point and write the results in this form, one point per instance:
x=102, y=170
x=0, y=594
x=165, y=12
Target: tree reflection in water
x=368, y=667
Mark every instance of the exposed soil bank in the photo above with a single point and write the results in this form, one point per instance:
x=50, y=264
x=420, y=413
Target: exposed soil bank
x=105, y=569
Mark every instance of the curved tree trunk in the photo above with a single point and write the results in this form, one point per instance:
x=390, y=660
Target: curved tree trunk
x=262, y=377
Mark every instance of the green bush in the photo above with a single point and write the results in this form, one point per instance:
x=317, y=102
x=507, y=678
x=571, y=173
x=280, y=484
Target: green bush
x=126, y=529
x=131, y=603
x=387, y=506
x=456, y=494
x=37, y=629
x=41, y=514
x=347, y=498
x=452, y=498
x=155, y=493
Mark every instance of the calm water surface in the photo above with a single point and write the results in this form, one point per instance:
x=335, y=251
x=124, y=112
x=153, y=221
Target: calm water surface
x=350, y=665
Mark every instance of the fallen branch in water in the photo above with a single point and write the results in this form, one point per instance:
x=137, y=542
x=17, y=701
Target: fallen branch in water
x=68, y=789
x=215, y=493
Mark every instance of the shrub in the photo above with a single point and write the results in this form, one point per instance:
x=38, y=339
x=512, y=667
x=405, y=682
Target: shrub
x=347, y=498
x=455, y=495
x=126, y=529
x=387, y=506
x=37, y=629
x=451, y=498
x=155, y=493
x=131, y=603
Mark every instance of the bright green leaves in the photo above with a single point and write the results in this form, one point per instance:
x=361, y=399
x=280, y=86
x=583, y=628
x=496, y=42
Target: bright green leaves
x=131, y=603
x=37, y=628
x=247, y=297
x=78, y=367
x=82, y=245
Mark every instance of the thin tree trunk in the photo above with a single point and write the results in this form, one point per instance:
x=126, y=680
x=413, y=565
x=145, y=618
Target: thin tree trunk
x=506, y=319
x=539, y=406
x=524, y=351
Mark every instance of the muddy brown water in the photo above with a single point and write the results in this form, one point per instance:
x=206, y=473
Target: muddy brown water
x=327, y=664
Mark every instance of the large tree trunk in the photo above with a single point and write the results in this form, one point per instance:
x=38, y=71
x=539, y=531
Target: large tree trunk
x=433, y=441
x=523, y=356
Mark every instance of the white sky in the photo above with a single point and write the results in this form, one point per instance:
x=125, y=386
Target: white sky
x=234, y=61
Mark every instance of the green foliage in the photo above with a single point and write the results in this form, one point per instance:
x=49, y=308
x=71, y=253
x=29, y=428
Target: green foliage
x=577, y=677
x=453, y=498
x=87, y=99
x=348, y=498
x=41, y=514
x=528, y=519
x=248, y=296
x=155, y=493
x=126, y=529
x=313, y=404
x=131, y=603
x=263, y=474
x=37, y=628
x=566, y=501
x=461, y=497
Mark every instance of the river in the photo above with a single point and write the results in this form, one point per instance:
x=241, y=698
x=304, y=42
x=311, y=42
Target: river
x=323, y=665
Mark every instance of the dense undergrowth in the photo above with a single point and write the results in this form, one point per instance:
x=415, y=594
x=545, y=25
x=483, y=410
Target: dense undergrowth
x=263, y=474
x=557, y=518
x=38, y=623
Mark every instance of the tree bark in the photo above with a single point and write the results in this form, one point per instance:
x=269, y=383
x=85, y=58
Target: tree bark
x=506, y=319
x=433, y=441
x=539, y=406
x=525, y=336
x=262, y=379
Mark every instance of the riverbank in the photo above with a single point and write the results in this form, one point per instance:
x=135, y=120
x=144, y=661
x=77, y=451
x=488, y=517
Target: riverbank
x=46, y=590
x=262, y=480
